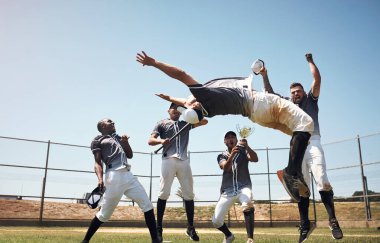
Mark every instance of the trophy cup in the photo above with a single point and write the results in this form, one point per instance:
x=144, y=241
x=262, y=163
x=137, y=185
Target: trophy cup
x=244, y=131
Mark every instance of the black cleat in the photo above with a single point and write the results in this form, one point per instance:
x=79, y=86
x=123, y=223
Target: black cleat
x=159, y=234
x=336, y=232
x=305, y=231
x=192, y=233
x=290, y=184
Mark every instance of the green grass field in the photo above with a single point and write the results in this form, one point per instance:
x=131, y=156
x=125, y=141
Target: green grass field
x=140, y=235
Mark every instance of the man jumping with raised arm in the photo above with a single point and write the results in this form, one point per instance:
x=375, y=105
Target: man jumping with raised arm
x=314, y=159
x=267, y=110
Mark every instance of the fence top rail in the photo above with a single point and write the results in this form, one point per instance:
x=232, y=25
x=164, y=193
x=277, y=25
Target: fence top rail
x=194, y=152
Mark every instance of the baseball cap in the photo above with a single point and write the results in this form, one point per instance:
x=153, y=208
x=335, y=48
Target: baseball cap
x=256, y=66
x=230, y=133
x=189, y=115
x=95, y=196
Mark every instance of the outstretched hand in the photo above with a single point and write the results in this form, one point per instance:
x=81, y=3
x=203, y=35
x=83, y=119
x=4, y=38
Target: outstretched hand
x=144, y=59
x=164, y=96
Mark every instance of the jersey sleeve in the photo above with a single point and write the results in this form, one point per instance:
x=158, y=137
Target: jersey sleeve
x=95, y=144
x=313, y=98
x=157, y=129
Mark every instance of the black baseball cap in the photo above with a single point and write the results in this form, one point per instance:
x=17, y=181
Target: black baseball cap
x=173, y=106
x=230, y=133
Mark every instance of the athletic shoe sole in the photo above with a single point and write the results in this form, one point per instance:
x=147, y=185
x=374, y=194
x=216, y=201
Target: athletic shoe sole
x=280, y=175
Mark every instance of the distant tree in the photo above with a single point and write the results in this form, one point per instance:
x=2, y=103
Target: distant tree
x=371, y=199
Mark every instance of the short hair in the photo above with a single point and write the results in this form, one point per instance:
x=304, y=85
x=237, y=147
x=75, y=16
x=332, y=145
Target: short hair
x=173, y=106
x=295, y=85
x=100, y=123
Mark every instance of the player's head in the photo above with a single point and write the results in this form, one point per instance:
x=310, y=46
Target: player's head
x=296, y=92
x=106, y=126
x=174, y=114
x=230, y=139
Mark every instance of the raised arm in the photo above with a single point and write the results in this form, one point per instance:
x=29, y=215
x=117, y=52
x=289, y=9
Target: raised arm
x=267, y=86
x=175, y=100
x=316, y=85
x=168, y=69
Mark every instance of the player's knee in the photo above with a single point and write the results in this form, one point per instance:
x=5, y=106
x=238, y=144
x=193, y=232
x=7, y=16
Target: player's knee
x=326, y=187
x=247, y=206
x=188, y=197
x=217, y=222
x=146, y=206
x=164, y=196
x=103, y=217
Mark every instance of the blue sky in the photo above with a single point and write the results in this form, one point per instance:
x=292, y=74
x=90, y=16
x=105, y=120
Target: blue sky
x=64, y=65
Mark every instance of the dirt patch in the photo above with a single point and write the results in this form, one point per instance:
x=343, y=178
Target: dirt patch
x=29, y=209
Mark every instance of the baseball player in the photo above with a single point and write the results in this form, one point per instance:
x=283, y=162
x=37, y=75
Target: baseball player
x=175, y=163
x=236, y=185
x=314, y=159
x=113, y=150
x=267, y=110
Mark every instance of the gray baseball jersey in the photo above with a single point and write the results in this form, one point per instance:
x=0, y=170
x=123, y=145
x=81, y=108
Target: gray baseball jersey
x=220, y=100
x=112, y=152
x=178, y=147
x=309, y=104
x=238, y=177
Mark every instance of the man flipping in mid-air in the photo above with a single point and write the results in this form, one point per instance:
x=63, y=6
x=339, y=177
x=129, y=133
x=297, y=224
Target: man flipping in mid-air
x=265, y=109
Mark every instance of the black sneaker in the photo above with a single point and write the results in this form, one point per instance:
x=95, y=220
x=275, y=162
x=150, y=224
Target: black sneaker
x=159, y=233
x=335, y=229
x=305, y=231
x=192, y=233
x=290, y=184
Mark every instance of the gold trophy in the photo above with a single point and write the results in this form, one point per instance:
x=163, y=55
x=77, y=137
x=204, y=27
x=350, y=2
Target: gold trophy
x=244, y=131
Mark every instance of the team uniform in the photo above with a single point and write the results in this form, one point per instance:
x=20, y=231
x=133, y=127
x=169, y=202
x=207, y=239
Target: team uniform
x=265, y=109
x=236, y=187
x=175, y=162
x=314, y=159
x=119, y=180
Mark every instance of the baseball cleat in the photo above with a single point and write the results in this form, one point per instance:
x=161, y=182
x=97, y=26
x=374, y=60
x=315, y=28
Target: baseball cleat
x=335, y=229
x=290, y=183
x=229, y=239
x=305, y=231
x=192, y=233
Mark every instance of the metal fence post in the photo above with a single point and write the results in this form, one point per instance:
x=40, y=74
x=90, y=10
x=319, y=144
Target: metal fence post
x=44, y=185
x=269, y=191
x=364, y=183
x=151, y=176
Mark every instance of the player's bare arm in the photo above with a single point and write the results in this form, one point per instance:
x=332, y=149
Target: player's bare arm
x=126, y=146
x=267, y=86
x=201, y=123
x=316, y=85
x=99, y=168
x=252, y=156
x=171, y=71
x=175, y=100
x=226, y=165
x=155, y=140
